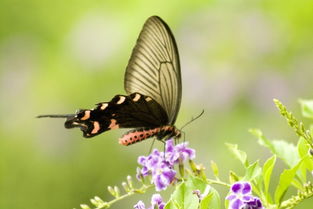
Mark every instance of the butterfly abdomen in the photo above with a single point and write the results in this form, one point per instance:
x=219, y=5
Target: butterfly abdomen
x=138, y=135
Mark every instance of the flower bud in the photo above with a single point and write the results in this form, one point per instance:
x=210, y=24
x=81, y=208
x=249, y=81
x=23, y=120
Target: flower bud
x=84, y=206
x=125, y=187
x=130, y=182
x=111, y=190
x=117, y=191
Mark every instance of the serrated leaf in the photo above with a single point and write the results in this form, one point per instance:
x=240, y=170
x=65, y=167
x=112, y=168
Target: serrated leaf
x=210, y=201
x=239, y=154
x=285, y=180
x=307, y=108
x=267, y=172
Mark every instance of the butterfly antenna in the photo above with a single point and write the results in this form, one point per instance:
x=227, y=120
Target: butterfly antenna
x=192, y=119
x=56, y=116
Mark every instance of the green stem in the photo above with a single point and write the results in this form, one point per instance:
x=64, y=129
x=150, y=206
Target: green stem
x=211, y=181
x=143, y=189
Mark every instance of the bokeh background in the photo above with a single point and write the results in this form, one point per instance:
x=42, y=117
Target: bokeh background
x=58, y=56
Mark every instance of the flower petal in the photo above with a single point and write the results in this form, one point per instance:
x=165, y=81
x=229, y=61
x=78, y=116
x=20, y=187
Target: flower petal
x=140, y=205
x=236, y=204
x=236, y=187
x=231, y=197
x=246, y=188
x=156, y=199
x=141, y=160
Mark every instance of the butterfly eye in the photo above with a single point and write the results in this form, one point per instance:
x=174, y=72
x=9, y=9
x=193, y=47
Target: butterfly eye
x=80, y=113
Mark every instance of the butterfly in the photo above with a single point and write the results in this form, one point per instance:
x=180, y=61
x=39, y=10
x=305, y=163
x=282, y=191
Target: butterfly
x=152, y=82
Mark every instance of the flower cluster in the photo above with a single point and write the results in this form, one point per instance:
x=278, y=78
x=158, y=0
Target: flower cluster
x=160, y=165
x=156, y=202
x=242, y=198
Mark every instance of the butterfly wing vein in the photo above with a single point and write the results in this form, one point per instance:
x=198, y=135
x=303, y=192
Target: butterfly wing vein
x=153, y=69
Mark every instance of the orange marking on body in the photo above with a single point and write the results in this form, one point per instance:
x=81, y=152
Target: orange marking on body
x=96, y=127
x=113, y=124
x=86, y=115
x=167, y=128
x=136, y=136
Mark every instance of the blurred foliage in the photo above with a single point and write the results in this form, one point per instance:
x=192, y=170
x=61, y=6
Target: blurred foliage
x=58, y=56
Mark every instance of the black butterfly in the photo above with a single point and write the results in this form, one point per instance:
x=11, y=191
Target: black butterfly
x=153, y=84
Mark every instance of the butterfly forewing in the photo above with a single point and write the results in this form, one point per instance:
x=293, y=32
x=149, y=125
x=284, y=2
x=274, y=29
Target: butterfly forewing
x=153, y=69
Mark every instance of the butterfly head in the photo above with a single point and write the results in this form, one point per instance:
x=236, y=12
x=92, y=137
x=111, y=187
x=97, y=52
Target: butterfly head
x=82, y=120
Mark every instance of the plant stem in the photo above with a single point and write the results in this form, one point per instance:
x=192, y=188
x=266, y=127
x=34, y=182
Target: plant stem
x=211, y=181
x=143, y=189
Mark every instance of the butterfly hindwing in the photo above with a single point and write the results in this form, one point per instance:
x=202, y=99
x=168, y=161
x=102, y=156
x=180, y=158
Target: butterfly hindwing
x=132, y=111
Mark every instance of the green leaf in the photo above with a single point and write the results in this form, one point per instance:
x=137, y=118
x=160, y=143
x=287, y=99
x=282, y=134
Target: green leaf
x=240, y=155
x=211, y=201
x=183, y=196
x=252, y=171
x=214, y=168
x=303, y=150
x=285, y=179
x=307, y=108
x=285, y=151
x=267, y=172
x=233, y=177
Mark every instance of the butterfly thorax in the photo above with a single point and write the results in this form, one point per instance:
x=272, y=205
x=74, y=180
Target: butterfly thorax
x=161, y=133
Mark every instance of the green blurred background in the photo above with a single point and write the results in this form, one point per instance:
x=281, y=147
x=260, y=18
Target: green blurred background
x=58, y=56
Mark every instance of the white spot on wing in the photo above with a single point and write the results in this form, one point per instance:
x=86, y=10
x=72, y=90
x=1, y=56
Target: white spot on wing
x=137, y=97
x=121, y=100
x=103, y=106
x=148, y=99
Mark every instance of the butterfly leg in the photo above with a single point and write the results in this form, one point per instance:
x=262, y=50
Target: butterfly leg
x=150, y=150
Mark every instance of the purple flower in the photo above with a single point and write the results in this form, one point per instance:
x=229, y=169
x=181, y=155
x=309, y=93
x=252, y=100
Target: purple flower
x=160, y=165
x=241, y=197
x=140, y=205
x=156, y=202
x=163, y=176
x=178, y=153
